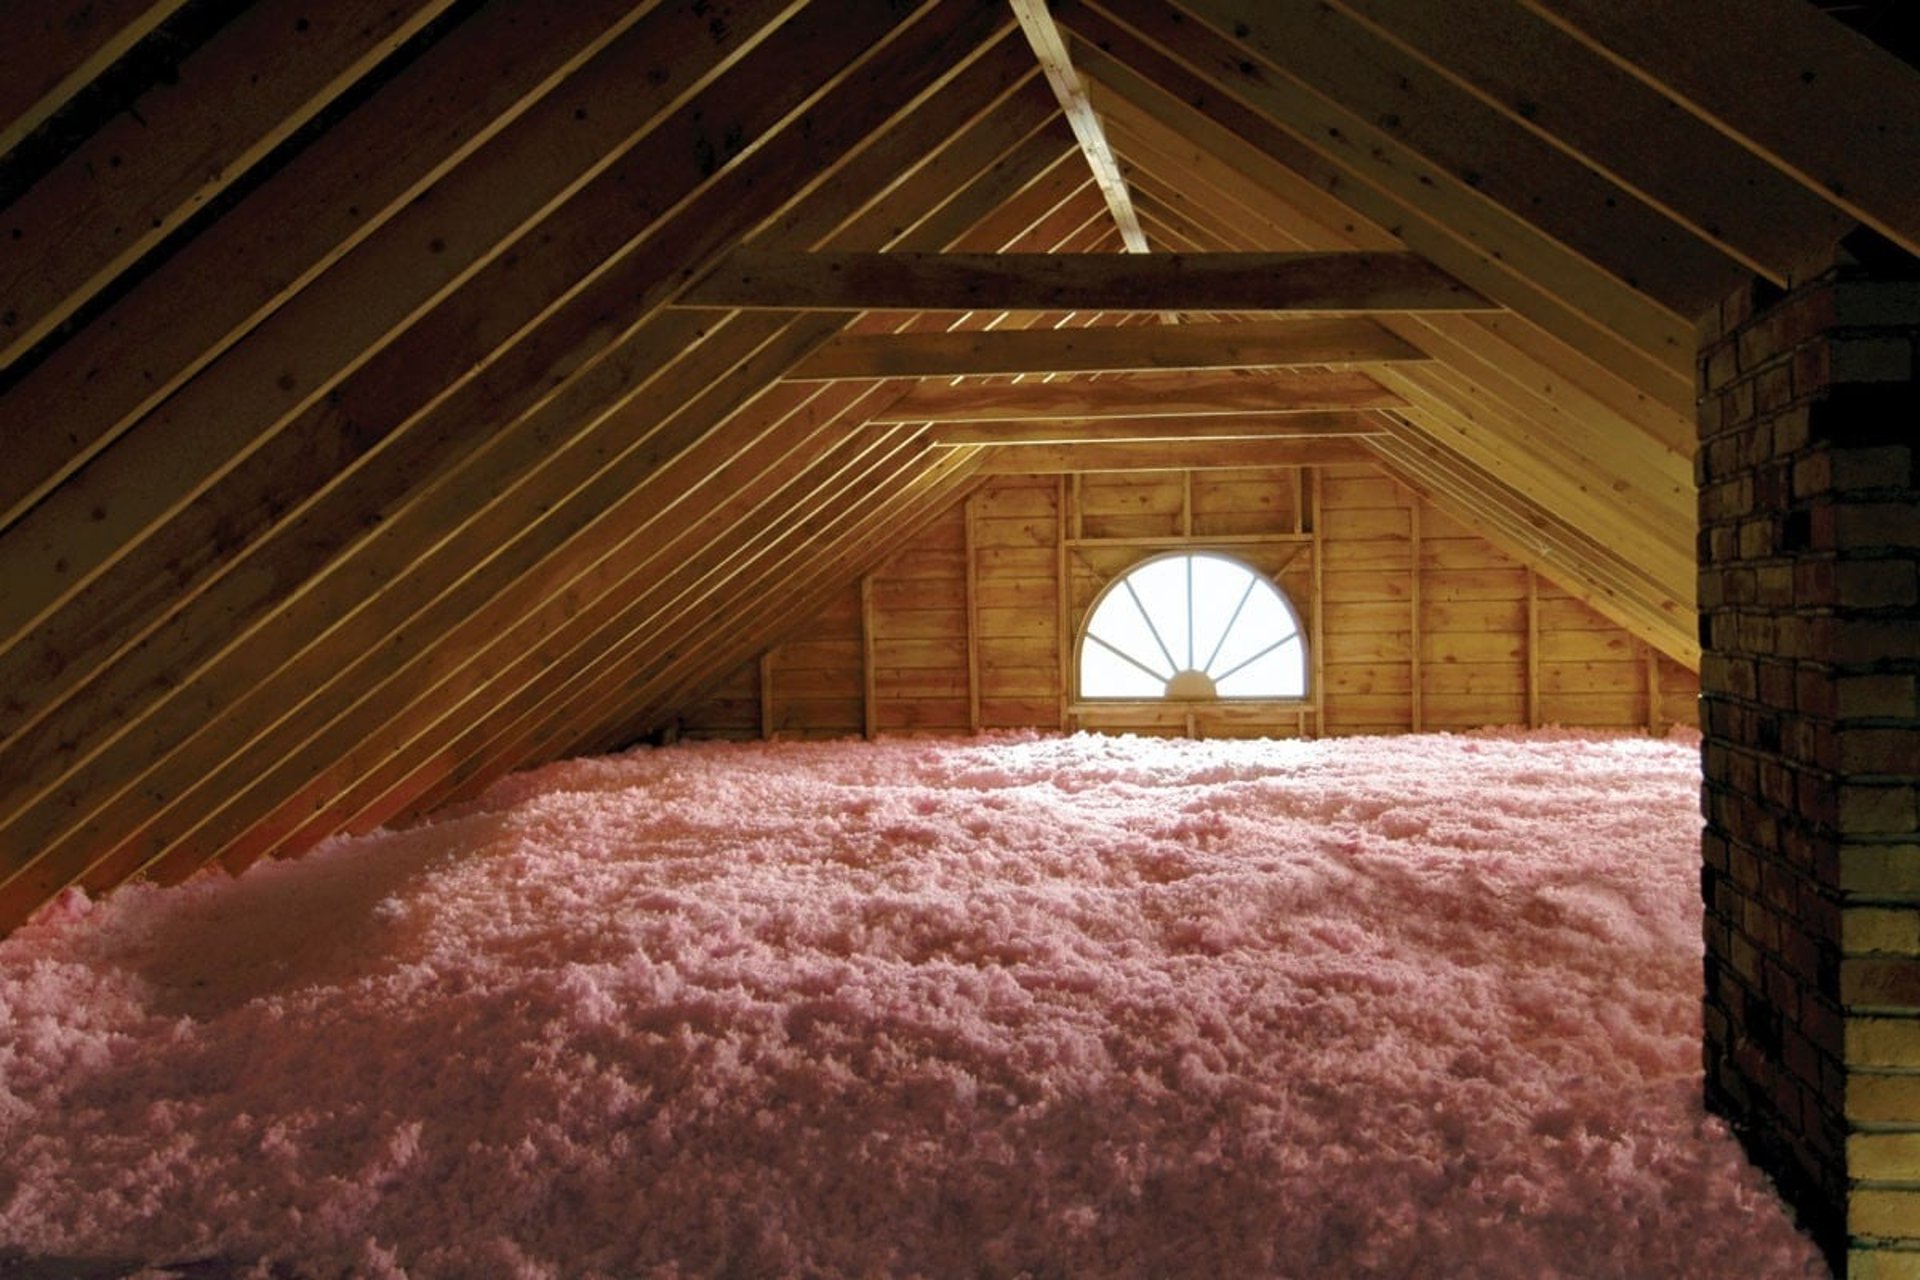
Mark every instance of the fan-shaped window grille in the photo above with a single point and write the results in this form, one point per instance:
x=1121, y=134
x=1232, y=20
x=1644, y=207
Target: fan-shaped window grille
x=1192, y=626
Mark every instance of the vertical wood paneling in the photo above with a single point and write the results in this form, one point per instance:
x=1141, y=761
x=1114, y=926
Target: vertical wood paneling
x=1413, y=620
x=920, y=624
x=817, y=681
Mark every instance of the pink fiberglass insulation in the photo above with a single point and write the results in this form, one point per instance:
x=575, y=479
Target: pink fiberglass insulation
x=1052, y=1006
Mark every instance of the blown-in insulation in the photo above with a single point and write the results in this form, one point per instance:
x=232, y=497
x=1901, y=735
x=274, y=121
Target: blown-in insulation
x=1011, y=1006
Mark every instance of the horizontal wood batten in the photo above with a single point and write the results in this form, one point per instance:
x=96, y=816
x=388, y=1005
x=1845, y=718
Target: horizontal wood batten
x=1155, y=455
x=1250, y=344
x=1144, y=395
x=1337, y=283
x=1241, y=426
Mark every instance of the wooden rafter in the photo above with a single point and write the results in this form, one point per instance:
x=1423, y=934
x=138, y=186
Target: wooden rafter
x=50, y=57
x=1071, y=93
x=1591, y=571
x=1251, y=344
x=271, y=658
x=343, y=476
x=1544, y=81
x=1783, y=80
x=1472, y=154
x=1333, y=283
x=1540, y=414
x=1359, y=180
x=459, y=97
x=147, y=170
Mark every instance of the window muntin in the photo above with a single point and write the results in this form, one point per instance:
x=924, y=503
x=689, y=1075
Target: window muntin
x=1192, y=626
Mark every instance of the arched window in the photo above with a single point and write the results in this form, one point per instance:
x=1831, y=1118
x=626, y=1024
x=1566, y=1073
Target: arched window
x=1192, y=626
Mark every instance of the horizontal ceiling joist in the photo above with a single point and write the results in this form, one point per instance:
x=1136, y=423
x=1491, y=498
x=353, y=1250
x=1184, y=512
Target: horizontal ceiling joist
x=1162, y=455
x=1249, y=344
x=1145, y=395
x=1281, y=426
x=1334, y=283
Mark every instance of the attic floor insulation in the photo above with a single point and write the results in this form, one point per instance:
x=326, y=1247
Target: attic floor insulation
x=1042, y=1006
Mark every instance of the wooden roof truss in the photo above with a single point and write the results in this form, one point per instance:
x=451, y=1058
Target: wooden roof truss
x=394, y=395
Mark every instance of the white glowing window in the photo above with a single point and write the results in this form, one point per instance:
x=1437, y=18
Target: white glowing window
x=1192, y=626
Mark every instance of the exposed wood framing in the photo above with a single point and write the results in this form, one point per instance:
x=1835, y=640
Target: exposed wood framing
x=51, y=57
x=147, y=170
x=972, y=552
x=1143, y=395
x=1292, y=141
x=1533, y=649
x=1414, y=628
x=1160, y=455
x=1239, y=426
x=326, y=202
x=1066, y=526
x=1246, y=344
x=765, y=667
x=1316, y=641
x=343, y=477
x=869, y=703
x=1529, y=70
x=1472, y=153
x=1783, y=80
x=1345, y=283
x=1051, y=51
x=1650, y=667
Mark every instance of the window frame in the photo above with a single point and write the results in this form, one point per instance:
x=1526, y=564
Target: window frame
x=1291, y=702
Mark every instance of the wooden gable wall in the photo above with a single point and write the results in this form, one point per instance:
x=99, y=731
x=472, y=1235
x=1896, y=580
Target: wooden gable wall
x=1414, y=621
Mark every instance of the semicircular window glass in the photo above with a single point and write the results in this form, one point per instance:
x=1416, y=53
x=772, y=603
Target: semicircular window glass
x=1192, y=626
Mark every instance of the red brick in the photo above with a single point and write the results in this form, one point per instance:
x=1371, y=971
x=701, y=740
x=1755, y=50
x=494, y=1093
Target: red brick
x=1871, y=358
x=1864, y=641
x=1813, y=473
x=1773, y=389
x=1793, y=429
x=1888, y=466
x=1813, y=581
x=1876, y=810
x=1883, y=1041
x=1884, y=1214
x=1721, y=365
x=1878, y=982
x=1814, y=692
x=1756, y=633
x=1773, y=585
x=1878, y=750
x=1876, y=584
x=1888, y=695
x=1877, y=524
x=1758, y=539
x=1883, y=1098
x=1880, y=870
x=1823, y=1023
x=1796, y=636
x=1877, y=303
x=1737, y=401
